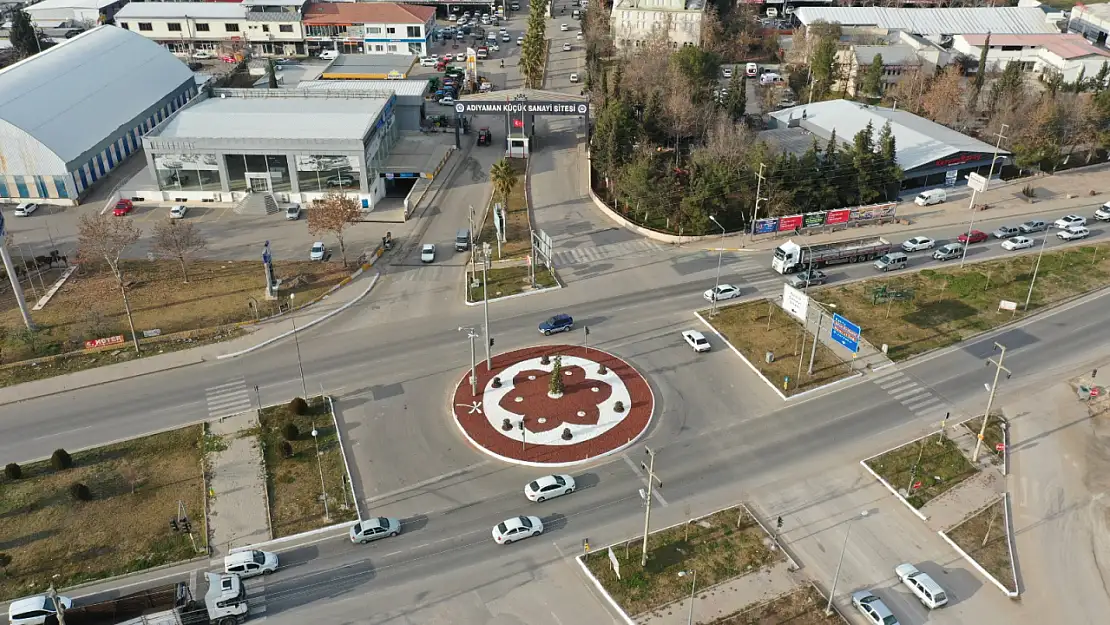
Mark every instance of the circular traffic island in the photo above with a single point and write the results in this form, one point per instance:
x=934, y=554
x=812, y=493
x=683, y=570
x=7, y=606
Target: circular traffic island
x=553, y=405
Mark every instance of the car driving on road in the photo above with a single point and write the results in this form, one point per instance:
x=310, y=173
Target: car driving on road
x=1017, y=243
x=810, y=277
x=549, y=487
x=975, y=236
x=948, y=252
x=918, y=244
x=558, y=323
x=517, y=528
x=721, y=292
x=1033, y=225
x=318, y=251
x=1070, y=220
x=25, y=209
x=1005, y=232
x=428, y=253
x=1072, y=233
x=696, y=340
x=873, y=609
x=377, y=528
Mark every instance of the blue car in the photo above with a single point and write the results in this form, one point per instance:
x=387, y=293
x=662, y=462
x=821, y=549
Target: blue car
x=558, y=323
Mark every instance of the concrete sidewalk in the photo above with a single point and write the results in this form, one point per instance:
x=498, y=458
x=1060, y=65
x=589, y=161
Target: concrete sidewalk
x=727, y=598
x=238, y=510
x=1068, y=191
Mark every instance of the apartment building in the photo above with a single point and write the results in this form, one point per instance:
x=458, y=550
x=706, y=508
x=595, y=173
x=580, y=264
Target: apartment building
x=635, y=22
x=262, y=27
x=1070, y=55
x=369, y=28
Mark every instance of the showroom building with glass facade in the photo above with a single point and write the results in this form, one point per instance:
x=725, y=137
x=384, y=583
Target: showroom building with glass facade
x=298, y=145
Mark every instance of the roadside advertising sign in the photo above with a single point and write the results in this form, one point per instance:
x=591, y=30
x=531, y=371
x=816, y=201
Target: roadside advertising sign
x=1000, y=446
x=765, y=226
x=104, y=342
x=813, y=220
x=845, y=332
x=795, y=302
x=839, y=216
x=873, y=211
x=792, y=222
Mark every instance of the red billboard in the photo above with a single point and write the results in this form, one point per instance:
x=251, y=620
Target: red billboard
x=839, y=216
x=793, y=222
x=104, y=342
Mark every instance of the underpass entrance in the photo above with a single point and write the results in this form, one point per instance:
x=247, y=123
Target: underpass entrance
x=519, y=107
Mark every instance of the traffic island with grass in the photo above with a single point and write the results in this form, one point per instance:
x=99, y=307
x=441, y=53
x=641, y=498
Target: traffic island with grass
x=506, y=281
x=761, y=327
x=994, y=438
x=720, y=546
x=306, y=477
x=102, y=512
x=924, y=469
x=169, y=314
x=984, y=538
x=914, y=313
x=518, y=227
x=804, y=606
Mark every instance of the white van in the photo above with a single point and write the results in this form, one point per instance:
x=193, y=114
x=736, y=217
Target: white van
x=892, y=261
x=329, y=55
x=1103, y=213
x=927, y=591
x=770, y=78
x=251, y=562
x=930, y=197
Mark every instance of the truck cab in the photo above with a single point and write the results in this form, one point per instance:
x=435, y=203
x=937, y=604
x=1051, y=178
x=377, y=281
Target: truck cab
x=787, y=257
x=226, y=599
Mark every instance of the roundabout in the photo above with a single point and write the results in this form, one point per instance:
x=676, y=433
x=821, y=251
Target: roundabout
x=599, y=406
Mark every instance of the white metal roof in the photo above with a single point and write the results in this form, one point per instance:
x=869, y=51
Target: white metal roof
x=1001, y=20
x=181, y=10
x=400, y=87
x=73, y=95
x=918, y=140
x=46, y=5
x=276, y=116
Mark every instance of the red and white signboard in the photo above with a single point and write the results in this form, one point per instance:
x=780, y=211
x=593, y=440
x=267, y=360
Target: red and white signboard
x=1095, y=391
x=839, y=216
x=916, y=485
x=104, y=342
x=792, y=222
x=999, y=446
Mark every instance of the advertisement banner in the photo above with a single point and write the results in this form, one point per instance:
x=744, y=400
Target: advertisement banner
x=795, y=302
x=813, y=220
x=838, y=216
x=845, y=332
x=765, y=226
x=793, y=222
x=196, y=162
x=874, y=211
x=104, y=342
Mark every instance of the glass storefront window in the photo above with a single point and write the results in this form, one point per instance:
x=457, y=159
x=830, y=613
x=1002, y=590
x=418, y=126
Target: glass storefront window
x=187, y=172
x=250, y=172
x=318, y=172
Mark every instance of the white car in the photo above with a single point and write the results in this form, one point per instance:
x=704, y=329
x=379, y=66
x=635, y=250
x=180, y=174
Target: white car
x=26, y=208
x=578, y=36
x=873, y=609
x=36, y=610
x=428, y=61
x=1017, y=243
x=549, y=487
x=574, y=77
x=566, y=47
x=564, y=27
x=460, y=57
x=369, y=530
x=203, y=54
x=1071, y=233
x=506, y=37
x=727, y=72
x=318, y=251
x=1070, y=220
x=918, y=244
x=721, y=292
x=177, y=212
x=428, y=253
x=696, y=340
x=447, y=100
x=517, y=528
x=503, y=31
x=452, y=18
x=519, y=40
x=293, y=212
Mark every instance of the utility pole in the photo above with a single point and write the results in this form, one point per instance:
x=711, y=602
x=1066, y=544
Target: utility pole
x=297, y=342
x=816, y=337
x=471, y=236
x=758, y=198
x=998, y=368
x=990, y=174
x=61, y=609
x=836, y=577
x=649, y=467
x=485, y=303
x=471, y=334
x=1036, y=268
x=720, y=257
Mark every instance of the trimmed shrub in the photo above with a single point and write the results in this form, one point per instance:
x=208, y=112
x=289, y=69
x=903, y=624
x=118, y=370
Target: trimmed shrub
x=61, y=460
x=290, y=432
x=618, y=406
x=80, y=492
x=298, y=406
x=13, y=471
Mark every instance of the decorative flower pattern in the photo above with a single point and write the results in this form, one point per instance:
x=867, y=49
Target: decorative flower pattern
x=578, y=399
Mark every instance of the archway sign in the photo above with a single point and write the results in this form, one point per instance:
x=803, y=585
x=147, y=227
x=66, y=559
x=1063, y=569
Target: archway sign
x=520, y=106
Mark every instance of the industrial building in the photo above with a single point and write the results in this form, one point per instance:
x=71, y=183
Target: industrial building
x=1092, y=21
x=410, y=105
x=72, y=113
x=934, y=23
x=929, y=154
x=261, y=146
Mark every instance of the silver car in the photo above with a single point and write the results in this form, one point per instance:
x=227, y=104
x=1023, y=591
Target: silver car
x=873, y=609
x=1033, y=225
x=948, y=252
x=369, y=530
x=1005, y=232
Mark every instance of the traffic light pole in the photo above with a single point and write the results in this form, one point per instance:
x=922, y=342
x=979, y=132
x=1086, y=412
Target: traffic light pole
x=650, y=468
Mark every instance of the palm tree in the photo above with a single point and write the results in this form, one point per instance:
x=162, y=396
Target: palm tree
x=503, y=178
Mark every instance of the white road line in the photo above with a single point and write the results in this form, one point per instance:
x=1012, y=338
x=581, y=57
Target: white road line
x=229, y=385
x=921, y=403
x=914, y=390
x=901, y=385
x=893, y=382
x=640, y=474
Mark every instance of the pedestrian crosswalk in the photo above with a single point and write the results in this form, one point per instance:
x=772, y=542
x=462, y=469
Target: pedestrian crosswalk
x=427, y=273
x=256, y=599
x=753, y=272
x=916, y=398
x=624, y=249
x=228, y=399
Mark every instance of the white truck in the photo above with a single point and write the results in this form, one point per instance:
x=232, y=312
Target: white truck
x=790, y=256
x=225, y=603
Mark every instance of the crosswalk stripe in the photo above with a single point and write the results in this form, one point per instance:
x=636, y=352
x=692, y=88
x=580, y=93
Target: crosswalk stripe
x=904, y=395
x=899, y=386
x=227, y=399
x=230, y=385
x=891, y=381
x=921, y=403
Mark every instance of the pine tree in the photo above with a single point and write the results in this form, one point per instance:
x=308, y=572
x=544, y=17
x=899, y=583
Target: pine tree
x=981, y=72
x=555, y=386
x=25, y=37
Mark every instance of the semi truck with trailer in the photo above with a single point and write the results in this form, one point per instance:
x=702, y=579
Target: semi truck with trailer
x=790, y=256
x=225, y=603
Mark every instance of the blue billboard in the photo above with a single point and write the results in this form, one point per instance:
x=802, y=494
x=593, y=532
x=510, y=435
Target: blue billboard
x=845, y=332
x=765, y=226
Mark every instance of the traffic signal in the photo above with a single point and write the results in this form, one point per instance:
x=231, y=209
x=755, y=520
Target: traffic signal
x=186, y=526
x=173, y=525
x=491, y=341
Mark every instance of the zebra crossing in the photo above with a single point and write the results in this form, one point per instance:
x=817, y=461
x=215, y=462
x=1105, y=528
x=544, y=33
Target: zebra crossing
x=428, y=273
x=751, y=272
x=916, y=398
x=228, y=399
x=256, y=599
x=624, y=249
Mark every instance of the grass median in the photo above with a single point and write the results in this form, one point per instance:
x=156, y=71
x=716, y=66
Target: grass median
x=941, y=307
x=804, y=606
x=297, y=463
x=52, y=532
x=719, y=547
x=934, y=462
x=993, y=437
x=506, y=281
x=983, y=537
x=518, y=227
x=756, y=328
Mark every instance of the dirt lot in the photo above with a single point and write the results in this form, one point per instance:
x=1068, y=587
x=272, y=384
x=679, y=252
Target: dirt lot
x=48, y=532
x=804, y=606
x=517, y=226
x=951, y=304
x=934, y=462
x=505, y=281
x=721, y=546
x=746, y=326
x=293, y=482
x=994, y=556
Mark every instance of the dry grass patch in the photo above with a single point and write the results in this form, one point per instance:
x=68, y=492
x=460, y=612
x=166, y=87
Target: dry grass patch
x=293, y=481
x=934, y=461
x=749, y=329
x=505, y=281
x=135, y=485
x=719, y=547
x=952, y=304
x=983, y=537
x=518, y=227
x=993, y=437
x=804, y=606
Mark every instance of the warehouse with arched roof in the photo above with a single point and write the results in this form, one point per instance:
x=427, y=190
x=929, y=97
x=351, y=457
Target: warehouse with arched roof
x=72, y=113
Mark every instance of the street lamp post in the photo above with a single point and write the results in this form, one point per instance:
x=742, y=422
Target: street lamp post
x=320, y=466
x=297, y=342
x=998, y=369
x=720, y=257
x=485, y=303
x=693, y=573
x=471, y=334
x=990, y=174
x=649, y=468
x=1036, y=268
x=836, y=577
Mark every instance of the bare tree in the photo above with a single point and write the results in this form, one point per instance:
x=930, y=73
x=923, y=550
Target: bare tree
x=944, y=102
x=180, y=241
x=129, y=472
x=104, y=239
x=333, y=215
